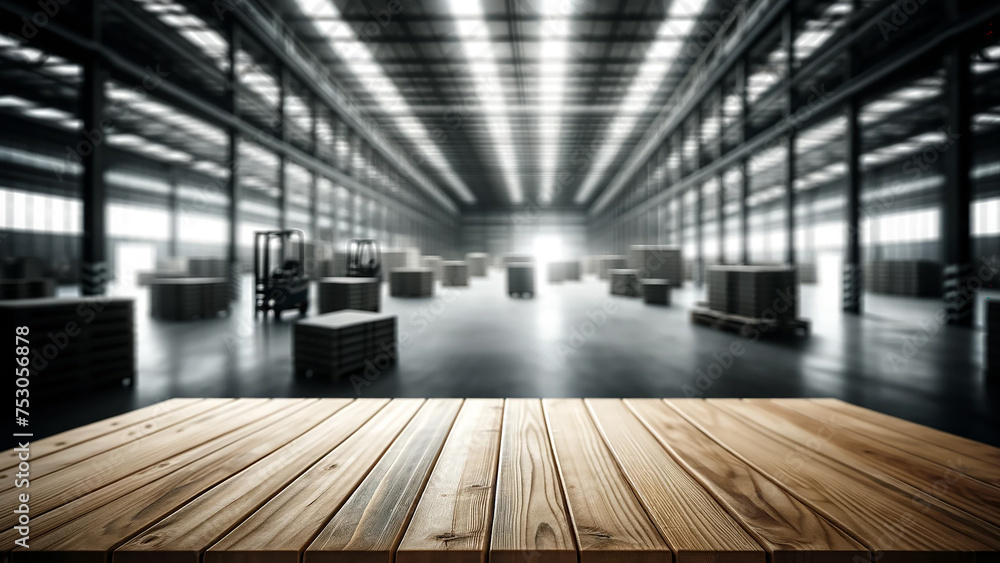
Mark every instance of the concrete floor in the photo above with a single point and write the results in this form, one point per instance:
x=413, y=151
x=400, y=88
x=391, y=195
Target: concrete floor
x=574, y=340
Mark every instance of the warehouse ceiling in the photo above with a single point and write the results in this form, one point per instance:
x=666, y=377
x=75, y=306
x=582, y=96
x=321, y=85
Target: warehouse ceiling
x=507, y=102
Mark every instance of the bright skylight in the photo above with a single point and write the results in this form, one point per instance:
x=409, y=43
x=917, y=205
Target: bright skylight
x=471, y=25
x=659, y=58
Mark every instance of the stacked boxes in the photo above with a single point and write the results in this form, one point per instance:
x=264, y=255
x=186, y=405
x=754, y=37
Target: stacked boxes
x=477, y=262
x=338, y=344
x=455, y=273
x=515, y=258
x=657, y=262
x=27, y=288
x=808, y=273
x=434, y=263
x=572, y=270
x=911, y=278
x=752, y=291
x=993, y=339
x=394, y=258
x=76, y=344
x=624, y=282
x=359, y=294
x=589, y=265
x=411, y=282
x=520, y=278
x=656, y=292
x=607, y=263
x=182, y=299
x=557, y=272
x=208, y=268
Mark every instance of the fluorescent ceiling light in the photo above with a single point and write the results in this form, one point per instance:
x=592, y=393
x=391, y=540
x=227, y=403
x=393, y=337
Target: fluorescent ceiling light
x=552, y=79
x=660, y=56
x=362, y=64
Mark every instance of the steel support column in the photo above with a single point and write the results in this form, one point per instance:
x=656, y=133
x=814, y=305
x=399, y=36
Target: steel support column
x=233, y=184
x=741, y=73
x=280, y=132
x=852, y=251
x=314, y=178
x=90, y=149
x=788, y=32
x=175, y=220
x=956, y=227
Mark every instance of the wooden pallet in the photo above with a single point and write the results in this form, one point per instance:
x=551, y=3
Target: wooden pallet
x=704, y=316
x=555, y=480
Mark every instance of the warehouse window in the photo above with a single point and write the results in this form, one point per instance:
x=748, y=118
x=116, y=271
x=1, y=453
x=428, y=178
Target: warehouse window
x=986, y=217
x=197, y=227
x=38, y=212
x=132, y=221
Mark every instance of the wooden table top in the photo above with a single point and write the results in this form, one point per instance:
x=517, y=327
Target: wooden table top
x=521, y=480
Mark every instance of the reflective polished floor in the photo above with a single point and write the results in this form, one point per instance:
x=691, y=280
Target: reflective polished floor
x=575, y=340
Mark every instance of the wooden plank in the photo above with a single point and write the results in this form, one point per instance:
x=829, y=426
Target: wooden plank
x=976, y=460
x=185, y=534
x=51, y=491
x=370, y=525
x=189, y=460
x=91, y=537
x=693, y=524
x=90, y=448
x=282, y=529
x=896, y=528
x=913, y=476
x=609, y=523
x=787, y=528
x=530, y=521
x=452, y=521
x=63, y=440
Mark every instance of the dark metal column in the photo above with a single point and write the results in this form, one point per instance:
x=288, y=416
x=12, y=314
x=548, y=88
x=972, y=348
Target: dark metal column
x=175, y=220
x=788, y=32
x=744, y=165
x=956, y=229
x=699, y=202
x=280, y=132
x=314, y=181
x=90, y=149
x=852, y=252
x=233, y=185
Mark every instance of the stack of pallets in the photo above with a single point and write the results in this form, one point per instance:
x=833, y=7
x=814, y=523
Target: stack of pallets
x=477, y=262
x=993, y=339
x=657, y=262
x=515, y=258
x=656, y=292
x=572, y=270
x=608, y=263
x=557, y=272
x=411, y=282
x=184, y=299
x=27, y=288
x=910, y=278
x=434, y=263
x=338, y=344
x=455, y=273
x=208, y=268
x=359, y=294
x=74, y=344
x=394, y=258
x=521, y=279
x=754, y=291
x=624, y=282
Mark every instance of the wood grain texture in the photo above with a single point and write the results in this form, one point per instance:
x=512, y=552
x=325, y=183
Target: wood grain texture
x=530, y=522
x=889, y=466
x=892, y=526
x=282, y=529
x=693, y=524
x=609, y=523
x=185, y=534
x=91, y=537
x=452, y=521
x=370, y=525
x=974, y=459
x=187, y=461
x=90, y=448
x=788, y=529
x=63, y=440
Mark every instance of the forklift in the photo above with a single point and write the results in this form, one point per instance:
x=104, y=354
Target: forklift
x=285, y=286
x=364, y=259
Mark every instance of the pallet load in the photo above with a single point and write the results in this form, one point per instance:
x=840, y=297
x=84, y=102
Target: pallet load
x=208, y=268
x=557, y=272
x=335, y=267
x=515, y=258
x=589, y=265
x=521, y=279
x=454, y=273
x=27, y=288
x=656, y=292
x=411, y=282
x=434, y=263
x=75, y=344
x=359, y=294
x=573, y=270
x=751, y=295
x=477, y=262
x=624, y=282
x=910, y=278
x=184, y=299
x=808, y=273
x=657, y=262
x=993, y=340
x=608, y=263
x=338, y=344
x=399, y=258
